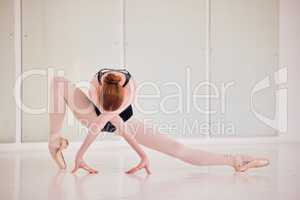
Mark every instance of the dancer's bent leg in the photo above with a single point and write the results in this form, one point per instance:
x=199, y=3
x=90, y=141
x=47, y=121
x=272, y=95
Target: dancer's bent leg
x=62, y=93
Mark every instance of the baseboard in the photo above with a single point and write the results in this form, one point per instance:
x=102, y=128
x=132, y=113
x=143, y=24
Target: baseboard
x=189, y=141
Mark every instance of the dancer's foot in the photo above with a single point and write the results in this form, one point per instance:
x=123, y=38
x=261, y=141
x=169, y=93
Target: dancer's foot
x=242, y=163
x=56, y=145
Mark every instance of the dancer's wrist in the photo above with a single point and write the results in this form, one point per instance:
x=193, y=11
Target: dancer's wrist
x=79, y=156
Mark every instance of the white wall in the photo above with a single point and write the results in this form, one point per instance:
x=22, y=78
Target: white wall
x=75, y=37
x=166, y=43
x=289, y=41
x=289, y=49
x=180, y=34
x=7, y=71
x=244, y=51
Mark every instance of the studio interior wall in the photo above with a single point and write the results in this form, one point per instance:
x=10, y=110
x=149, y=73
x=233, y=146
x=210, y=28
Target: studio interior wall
x=244, y=52
x=289, y=57
x=7, y=72
x=75, y=38
x=163, y=43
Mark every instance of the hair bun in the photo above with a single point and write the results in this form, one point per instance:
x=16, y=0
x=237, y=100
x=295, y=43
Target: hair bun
x=112, y=79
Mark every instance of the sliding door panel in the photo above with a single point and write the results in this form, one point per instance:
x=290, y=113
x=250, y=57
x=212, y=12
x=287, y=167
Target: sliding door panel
x=244, y=40
x=7, y=72
x=72, y=38
x=165, y=51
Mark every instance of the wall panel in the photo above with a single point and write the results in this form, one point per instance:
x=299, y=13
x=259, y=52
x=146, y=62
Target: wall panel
x=244, y=37
x=75, y=37
x=165, y=44
x=7, y=72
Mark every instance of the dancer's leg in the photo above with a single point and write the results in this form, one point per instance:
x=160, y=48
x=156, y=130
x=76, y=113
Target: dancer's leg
x=62, y=93
x=152, y=138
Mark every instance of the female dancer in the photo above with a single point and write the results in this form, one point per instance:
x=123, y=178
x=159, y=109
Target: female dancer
x=109, y=109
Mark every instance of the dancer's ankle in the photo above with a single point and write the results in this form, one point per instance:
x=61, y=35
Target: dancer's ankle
x=54, y=140
x=53, y=136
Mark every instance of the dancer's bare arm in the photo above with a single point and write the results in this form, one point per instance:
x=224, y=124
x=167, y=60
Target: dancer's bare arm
x=125, y=132
x=94, y=129
x=94, y=90
x=116, y=120
x=129, y=96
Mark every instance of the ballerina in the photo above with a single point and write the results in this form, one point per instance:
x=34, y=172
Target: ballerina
x=109, y=108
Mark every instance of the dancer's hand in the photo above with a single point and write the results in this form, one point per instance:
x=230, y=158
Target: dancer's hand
x=144, y=163
x=79, y=163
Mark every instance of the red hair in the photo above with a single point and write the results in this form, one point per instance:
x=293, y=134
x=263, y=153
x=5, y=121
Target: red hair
x=112, y=93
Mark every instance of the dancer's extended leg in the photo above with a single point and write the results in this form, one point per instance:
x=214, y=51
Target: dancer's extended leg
x=62, y=93
x=152, y=138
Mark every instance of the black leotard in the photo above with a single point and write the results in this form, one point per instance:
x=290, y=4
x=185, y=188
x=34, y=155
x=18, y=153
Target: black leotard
x=125, y=114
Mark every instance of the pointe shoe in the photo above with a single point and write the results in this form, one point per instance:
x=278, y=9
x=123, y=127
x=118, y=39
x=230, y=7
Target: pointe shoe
x=242, y=163
x=56, y=145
